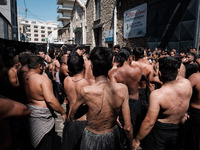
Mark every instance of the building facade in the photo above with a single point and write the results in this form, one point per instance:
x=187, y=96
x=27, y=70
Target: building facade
x=8, y=20
x=138, y=23
x=65, y=8
x=36, y=31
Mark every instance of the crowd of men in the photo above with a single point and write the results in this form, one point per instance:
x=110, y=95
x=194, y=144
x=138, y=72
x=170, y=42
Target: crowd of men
x=115, y=99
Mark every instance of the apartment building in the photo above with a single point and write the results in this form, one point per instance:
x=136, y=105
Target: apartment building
x=8, y=19
x=65, y=8
x=36, y=31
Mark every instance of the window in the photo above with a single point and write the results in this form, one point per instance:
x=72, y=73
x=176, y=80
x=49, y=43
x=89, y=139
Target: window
x=35, y=39
x=43, y=39
x=35, y=35
x=33, y=22
x=36, y=31
x=28, y=26
x=42, y=27
x=42, y=35
x=98, y=8
x=42, y=31
x=29, y=30
x=35, y=27
x=28, y=35
x=49, y=32
x=49, y=28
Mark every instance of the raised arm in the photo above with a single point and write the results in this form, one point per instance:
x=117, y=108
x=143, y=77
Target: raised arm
x=51, y=99
x=149, y=120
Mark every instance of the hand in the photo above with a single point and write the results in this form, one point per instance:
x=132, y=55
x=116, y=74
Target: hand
x=64, y=117
x=186, y=116
x=118, y=122
x=135, y=144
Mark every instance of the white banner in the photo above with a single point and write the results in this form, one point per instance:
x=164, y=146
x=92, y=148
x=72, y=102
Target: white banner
x=135, y=21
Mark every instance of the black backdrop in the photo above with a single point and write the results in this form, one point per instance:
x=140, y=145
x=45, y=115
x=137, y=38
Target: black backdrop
x=172, y=23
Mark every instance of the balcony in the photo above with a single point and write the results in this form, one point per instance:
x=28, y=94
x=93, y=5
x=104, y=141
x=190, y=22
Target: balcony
x=62, y=8
x=60, y=26
x=62, y=17
x=60, y=2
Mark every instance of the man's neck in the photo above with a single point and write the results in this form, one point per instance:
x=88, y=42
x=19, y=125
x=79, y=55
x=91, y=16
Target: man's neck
x=34, y=71
x=100, y=78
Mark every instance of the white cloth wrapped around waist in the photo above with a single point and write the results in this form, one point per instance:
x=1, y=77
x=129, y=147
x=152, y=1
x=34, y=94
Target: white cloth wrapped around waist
x=41, y=122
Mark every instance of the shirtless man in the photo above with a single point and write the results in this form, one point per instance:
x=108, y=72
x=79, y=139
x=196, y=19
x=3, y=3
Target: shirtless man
x=63, y=72
x=23, y=58
x=167, y=109
x=12, y=72
x=192, y=134
x=131, y=77
x=9, y=109
x=54, y=68
x=87, y=69
x=148, y=75
x=40, y=100
x=72, y=131
x=104, y=100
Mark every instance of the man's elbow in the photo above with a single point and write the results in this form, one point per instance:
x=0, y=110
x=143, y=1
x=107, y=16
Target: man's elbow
x=25, y=111
x=149, y=123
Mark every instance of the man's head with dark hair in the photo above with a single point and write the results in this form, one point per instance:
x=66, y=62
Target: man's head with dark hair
x=101, y=59
x=40, y=52
x=122, y=56
x=75, y=63
x=23, y=57
x=168, y=66
x=138, y=52
x=191, y=57
x=35, y=62
x=116, y=49
x=117, y=46
x=179, y=61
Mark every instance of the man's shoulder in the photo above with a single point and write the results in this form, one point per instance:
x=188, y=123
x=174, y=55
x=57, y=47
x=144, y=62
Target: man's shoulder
x=183, y=80
x=195, y=76
x=119, y=86
x=113, y=72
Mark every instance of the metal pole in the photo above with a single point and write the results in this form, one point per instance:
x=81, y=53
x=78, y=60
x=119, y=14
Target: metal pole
x=18, y=24
x=115, y=25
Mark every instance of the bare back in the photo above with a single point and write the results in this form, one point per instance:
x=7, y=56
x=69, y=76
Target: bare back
x=104, y=100
x=72, y=90
x=129, y=76
x=33, y=87
x=63, y=72
x=194, y=80
x=173, y=99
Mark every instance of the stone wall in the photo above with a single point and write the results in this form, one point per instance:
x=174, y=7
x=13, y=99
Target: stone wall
x=107, y=11
x=106, y=19
x=124, y=5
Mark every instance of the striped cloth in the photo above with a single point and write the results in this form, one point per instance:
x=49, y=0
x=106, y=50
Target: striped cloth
x=41, y=122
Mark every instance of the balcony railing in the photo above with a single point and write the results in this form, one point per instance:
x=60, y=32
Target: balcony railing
x=61, y=1
x=63, y=17
x=62, y=8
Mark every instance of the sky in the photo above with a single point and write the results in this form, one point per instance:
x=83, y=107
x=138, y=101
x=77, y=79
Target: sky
x=42, y=10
